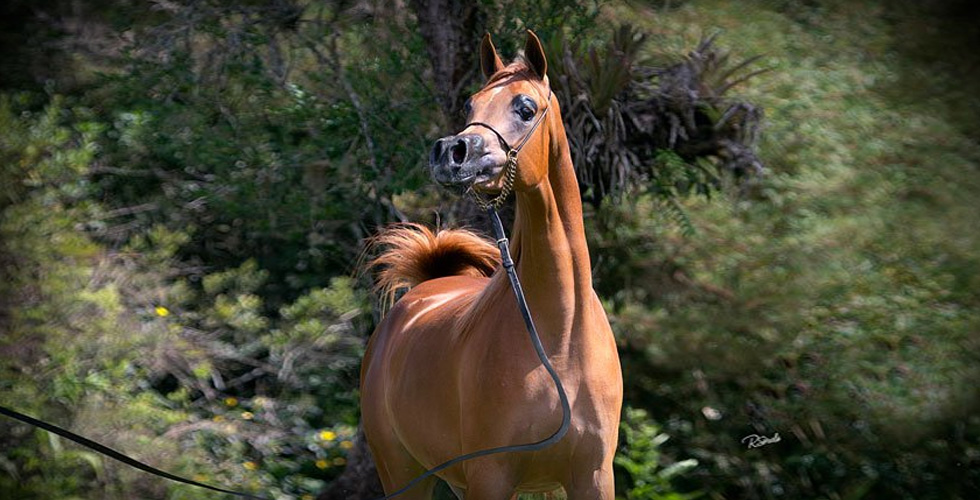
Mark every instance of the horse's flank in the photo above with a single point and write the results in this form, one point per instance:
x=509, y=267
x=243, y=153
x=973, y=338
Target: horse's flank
x=451, y=371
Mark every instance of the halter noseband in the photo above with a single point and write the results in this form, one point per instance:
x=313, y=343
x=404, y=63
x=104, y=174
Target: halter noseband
x=510, y=171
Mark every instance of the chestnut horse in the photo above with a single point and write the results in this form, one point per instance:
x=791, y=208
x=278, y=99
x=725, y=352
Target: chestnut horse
x=450, y=370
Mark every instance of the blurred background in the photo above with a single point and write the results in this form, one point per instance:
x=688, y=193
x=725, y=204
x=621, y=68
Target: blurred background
x=781, y=202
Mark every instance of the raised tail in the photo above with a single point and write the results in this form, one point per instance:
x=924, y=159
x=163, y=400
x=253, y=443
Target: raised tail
x=414, y=253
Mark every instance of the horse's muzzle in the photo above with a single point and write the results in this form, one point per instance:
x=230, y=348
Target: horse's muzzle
x=460, y=161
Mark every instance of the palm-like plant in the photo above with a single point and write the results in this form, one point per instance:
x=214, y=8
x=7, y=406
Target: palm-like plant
x=668, y=129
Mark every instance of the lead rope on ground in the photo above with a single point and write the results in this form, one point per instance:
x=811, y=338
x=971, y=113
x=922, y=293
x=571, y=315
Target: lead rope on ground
x=111, y=453
x=508, y=263
x=566, y=411
x=515, y=283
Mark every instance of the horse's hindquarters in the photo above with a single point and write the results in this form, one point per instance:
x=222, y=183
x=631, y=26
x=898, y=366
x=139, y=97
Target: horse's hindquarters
x=409, y=389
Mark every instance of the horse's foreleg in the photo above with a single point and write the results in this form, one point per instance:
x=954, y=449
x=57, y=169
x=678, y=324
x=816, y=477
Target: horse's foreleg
x=592, y=485
x=396, y=467
x=489, y=482
x=459, y=492
x=395, y=474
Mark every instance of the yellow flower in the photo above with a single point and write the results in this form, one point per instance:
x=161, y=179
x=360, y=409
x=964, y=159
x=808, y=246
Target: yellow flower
x=339, y=461
x=199, y=478
x=247, y=415
x=230, y=401
x=346, y=444
x=250, y=465
x=218, y=418
x=306, y=497
x=161, y=311
x=321, y=464
x=328, y=435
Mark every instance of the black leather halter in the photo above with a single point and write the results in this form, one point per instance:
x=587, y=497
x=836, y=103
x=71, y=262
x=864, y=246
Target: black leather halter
x=508, y=264
x=503, y=142
x=510, y=170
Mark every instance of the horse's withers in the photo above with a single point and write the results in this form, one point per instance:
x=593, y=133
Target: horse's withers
x=450, y=369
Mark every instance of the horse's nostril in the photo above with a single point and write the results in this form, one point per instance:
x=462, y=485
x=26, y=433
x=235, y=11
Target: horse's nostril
x=459, y=151
x=436, y=152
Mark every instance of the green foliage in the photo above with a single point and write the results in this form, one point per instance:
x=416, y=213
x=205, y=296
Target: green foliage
x=68, y=340
x=176, y=239
x=641, y=459
x=828, y=302
x=268, y=394
x=247, y=137
x=640, y=124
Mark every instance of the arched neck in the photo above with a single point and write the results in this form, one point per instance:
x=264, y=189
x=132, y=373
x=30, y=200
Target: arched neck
x=551, y=252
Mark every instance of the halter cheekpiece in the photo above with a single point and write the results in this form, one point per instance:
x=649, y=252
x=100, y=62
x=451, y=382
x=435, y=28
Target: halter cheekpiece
x=510, y=172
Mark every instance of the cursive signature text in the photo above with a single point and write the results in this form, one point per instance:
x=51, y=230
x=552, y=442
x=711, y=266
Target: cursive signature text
x=756, y=441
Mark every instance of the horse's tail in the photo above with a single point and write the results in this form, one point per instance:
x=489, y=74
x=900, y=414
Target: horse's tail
x=414, y=253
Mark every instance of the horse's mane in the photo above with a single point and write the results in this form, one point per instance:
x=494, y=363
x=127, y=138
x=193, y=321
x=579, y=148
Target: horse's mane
x=518, y=68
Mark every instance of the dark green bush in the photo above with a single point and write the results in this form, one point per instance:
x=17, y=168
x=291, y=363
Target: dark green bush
x=178, y=235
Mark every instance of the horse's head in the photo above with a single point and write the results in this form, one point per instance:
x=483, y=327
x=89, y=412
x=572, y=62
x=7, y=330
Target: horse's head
x=504, y=129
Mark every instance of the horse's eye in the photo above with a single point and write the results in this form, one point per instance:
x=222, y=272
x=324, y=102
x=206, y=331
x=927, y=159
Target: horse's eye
x=525, y=112
x=524, y=107
x=468, y=107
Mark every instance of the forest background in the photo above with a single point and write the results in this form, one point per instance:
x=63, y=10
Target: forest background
x=782, y=209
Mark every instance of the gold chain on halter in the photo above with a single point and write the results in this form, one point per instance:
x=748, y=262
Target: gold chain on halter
x=509, y=175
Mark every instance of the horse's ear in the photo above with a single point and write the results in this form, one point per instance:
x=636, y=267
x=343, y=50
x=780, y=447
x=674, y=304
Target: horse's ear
x=490, y=62
x=534, y=53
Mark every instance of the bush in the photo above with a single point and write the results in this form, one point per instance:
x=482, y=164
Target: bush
x=828, y=303
x=640, y=459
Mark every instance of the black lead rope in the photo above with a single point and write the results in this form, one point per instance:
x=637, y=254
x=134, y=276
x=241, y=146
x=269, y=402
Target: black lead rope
x=515, y=283
x=566, y=410
x=111, y=453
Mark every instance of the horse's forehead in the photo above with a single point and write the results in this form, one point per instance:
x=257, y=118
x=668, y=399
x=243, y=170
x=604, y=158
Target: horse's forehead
x=504, y=89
